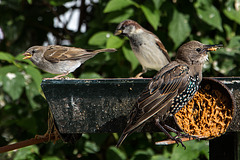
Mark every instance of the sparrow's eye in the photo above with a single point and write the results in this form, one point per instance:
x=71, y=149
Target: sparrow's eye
x=33, y=51
x=198, y=49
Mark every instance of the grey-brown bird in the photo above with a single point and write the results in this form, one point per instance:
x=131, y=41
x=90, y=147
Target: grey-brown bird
x=146, y=46
x=61, y=60
x=170, y=89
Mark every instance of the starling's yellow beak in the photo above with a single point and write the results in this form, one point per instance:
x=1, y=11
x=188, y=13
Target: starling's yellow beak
x=118, y=32
x=212, y=47
x=27, y=55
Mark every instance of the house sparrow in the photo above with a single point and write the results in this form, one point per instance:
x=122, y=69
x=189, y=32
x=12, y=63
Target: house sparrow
x=57, y=59
x=170, y=90
x=146, y=46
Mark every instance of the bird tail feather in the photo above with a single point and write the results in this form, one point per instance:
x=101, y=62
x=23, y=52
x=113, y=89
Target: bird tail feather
x=105, y=50
x=121, y=139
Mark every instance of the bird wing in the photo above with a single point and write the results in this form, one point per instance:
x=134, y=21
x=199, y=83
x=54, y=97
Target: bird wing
x=161, y=47
x=55, y=53
x=158, y=95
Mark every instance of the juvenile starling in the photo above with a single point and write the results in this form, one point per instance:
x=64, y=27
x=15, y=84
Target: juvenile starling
x=170, y=89
x=146, y=46
x=57, y=59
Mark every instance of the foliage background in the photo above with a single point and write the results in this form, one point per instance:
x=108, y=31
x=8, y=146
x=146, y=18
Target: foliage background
x=24, y=23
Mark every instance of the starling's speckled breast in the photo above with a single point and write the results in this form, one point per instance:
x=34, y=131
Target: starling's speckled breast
x=182, y=99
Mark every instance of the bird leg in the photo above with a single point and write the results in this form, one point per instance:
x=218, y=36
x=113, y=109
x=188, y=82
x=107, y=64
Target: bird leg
x=176, y=139
x=58, y=76
x=139, y=75
x=179, y=134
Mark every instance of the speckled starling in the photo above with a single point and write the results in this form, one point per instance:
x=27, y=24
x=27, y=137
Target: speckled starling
x=146, y=46
x=170, y=89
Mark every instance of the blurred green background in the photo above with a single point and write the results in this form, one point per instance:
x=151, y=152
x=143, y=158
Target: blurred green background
x=90, y=24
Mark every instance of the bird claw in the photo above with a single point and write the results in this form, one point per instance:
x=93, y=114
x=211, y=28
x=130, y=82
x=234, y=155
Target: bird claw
x=179, y=140
x=179, y=134
x=62, y=76
x=139, y=75
x=53, y=78
x=59, y=77
x=186, y=136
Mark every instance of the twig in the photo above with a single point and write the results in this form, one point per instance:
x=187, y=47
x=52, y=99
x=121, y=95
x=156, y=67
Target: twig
x=83, y=14
x=169, y=141
x=28, y=142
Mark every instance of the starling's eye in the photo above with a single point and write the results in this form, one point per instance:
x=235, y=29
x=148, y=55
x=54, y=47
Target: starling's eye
x=198, y=49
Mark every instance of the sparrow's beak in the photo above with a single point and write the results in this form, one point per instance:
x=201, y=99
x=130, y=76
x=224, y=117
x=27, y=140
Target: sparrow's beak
x=118, y=32
x=212, y=47
x=27, y=55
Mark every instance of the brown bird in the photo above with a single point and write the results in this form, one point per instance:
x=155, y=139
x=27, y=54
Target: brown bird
x=146, y=46
x=62, y=60
x=170, y=90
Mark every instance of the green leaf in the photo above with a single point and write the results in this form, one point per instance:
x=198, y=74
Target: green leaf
x=100, y=38
x=31, y=92
x=179, y=28
x=91, y=147
x=4, y=70
x=234, y=43
x=229, y=32
x=12, y=28
x=143, y=154
x=90, y=75
x=129, y=55
x=24, y=153
x=193, y=150
x=100, y=138
x=35, y=75
x=231, y=12
x=25, y=122
x=114, y=42
x=115, y=5
x=226, y=65
x=203, y=2
x=58, y=2
x=13, y=84
x=158, y=3
x=29, y=1
x=152, y=15
x=233, y=47
x=209, y=14
x=119, y=16
x=6, y=57
x=159, y=157
x=51, y=158
x=115, y=153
